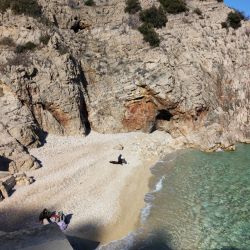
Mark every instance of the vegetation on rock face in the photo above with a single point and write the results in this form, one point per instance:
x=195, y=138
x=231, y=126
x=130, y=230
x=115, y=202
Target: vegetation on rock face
x=7, y=41
x=4, y=5
x=224, y=25
x=89, y=3
x=174, y=6
x=1, y=92
x=19, y=59
x=234, y=19
x=132, y=6
x=155, y=16
x=149, y=34
x=25, y=47
x=26, y=7
x=62, y=49
x=198, y=11
x=44, y=39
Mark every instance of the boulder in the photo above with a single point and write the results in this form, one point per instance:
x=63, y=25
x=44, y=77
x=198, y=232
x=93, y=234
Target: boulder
x=6, y=185
x=22, y=179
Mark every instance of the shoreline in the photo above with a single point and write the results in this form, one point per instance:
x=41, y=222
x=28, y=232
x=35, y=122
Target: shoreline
x=131, y=202
x=77, y=178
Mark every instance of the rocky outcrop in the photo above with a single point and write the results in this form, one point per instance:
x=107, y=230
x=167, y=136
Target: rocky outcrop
x=22, y=179
x=6, y=186
x=90, y=68
x=41, y=89
x=13, y=155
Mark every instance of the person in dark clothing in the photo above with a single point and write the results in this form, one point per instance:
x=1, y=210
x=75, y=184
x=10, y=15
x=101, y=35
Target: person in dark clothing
x=45, y=214
x=120, y=160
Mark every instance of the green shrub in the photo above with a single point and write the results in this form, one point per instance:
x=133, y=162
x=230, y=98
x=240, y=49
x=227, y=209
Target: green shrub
x=174, y=6
x=25, y=47
x=157, y=17
x=224, y=25
x=149, y=34
x=132, y=6
x=234, y=19
x=27, y=7
x=4, y=5
x=7, y=41
x=90, y=3
x=62, y=49
x=198, y=11
x=1, y=92
x=44, y=39
x=19, y=59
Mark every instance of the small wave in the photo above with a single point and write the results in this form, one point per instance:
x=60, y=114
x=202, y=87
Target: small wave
x=149, y=197
x=159, y=185
x=145, y=213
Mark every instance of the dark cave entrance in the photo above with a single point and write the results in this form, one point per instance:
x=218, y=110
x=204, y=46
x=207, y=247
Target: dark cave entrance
x=164, y=114
x=76, y=26
x=4, y=163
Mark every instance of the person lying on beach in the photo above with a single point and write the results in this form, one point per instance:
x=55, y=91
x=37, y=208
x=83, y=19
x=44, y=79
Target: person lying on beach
x=120, y=160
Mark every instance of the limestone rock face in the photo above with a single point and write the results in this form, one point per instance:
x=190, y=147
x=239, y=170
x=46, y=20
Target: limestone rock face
x=92, y=69
x=41, y=90
x=194, y=85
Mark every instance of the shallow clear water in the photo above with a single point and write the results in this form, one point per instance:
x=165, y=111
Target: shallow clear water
x=199, y=201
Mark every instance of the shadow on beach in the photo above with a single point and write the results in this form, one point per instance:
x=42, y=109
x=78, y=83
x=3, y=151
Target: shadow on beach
x=80, y=238
x=83, y=237
x=156, y=240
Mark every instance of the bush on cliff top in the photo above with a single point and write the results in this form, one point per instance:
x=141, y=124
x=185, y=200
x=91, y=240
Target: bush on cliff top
x=26, y=7
x=156, y=16
x=132, y=6
x=174, y=6
x=149, y=34
x=234, y=19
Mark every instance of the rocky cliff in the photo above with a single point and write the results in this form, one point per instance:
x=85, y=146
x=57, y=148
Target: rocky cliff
x=89, y=68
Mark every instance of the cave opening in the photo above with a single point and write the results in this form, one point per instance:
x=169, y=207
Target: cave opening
x=4, y=163
x=164, y=114
x=78, y=25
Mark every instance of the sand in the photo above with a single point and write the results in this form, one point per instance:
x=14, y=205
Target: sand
x=104, y=199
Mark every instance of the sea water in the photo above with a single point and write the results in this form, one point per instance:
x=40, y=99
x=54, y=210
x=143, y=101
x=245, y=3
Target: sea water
x=199, y=201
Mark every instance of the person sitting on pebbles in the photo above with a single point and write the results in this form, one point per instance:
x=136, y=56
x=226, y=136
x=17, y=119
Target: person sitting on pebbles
x=47, y=217
x=120, y=160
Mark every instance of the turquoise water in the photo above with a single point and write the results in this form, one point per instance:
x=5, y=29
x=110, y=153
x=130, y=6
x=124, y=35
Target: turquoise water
x=204, y=202
x=199, y=201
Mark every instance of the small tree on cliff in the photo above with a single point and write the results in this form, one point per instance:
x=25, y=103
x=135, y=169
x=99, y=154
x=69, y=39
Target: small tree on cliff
x=156, y=16
x=174, y=6
x=149, y=34
x=132, y=6
x=234, y=19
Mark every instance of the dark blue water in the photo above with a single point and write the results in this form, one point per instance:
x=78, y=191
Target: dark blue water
x=199, y=201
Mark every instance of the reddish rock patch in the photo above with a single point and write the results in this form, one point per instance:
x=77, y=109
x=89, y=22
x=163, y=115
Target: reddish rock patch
x=62, y=117
x=139, y=115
